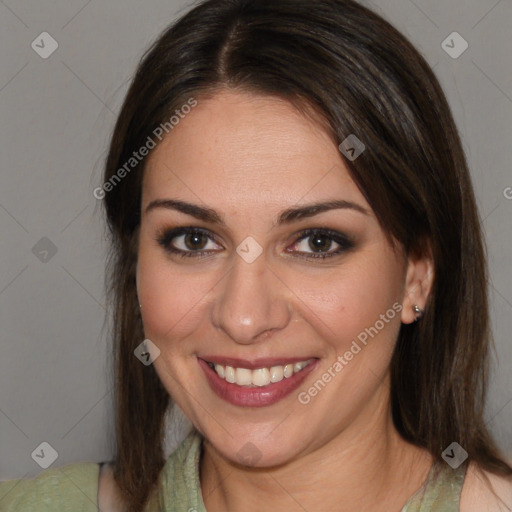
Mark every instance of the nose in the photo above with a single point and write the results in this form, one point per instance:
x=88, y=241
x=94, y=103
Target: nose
x=251, y=302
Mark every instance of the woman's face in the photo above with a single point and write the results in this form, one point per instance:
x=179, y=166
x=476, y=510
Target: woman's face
x=260, y=280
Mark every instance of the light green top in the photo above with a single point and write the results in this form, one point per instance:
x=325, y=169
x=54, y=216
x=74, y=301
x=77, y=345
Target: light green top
x=74, y=488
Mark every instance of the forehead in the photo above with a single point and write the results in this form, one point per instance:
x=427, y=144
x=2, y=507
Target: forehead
x=236, y=146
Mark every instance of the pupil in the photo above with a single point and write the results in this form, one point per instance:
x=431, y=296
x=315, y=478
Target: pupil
x=320, y=242
x=194, y=241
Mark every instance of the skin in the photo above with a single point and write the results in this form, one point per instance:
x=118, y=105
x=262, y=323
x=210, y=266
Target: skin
x=249, y=158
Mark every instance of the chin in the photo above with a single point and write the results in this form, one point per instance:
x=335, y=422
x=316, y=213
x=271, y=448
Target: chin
x=259, y=451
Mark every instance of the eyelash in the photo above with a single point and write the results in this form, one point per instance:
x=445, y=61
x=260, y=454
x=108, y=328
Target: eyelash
x=165, y=238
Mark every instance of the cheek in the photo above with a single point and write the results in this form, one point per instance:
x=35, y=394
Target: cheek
x=173, y=302
x=350, y=301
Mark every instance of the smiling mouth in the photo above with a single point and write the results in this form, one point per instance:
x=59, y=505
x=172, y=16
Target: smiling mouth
x=258, y=377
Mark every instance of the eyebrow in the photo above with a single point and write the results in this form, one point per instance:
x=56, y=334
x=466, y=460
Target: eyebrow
x=286, y=217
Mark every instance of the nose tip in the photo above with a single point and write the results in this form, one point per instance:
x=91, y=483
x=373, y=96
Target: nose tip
x=251, y=305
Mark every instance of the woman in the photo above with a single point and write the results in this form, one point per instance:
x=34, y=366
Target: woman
x=295, y=238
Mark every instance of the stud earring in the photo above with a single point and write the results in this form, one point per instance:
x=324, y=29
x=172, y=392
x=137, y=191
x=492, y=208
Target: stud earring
x=418, y=311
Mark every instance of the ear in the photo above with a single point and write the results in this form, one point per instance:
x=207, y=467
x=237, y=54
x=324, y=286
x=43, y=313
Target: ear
x=418, y=282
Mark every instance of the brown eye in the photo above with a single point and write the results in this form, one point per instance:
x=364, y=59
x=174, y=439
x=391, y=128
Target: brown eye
x=188, y=241
x=321, y=243
x=195, y=241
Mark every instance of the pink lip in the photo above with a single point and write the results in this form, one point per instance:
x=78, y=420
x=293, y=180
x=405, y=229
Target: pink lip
x=257, y=396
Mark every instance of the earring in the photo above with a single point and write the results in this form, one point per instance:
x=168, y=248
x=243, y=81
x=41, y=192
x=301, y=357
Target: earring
x=418, y=311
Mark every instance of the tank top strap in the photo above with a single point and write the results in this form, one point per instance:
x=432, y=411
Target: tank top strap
x=440, y=492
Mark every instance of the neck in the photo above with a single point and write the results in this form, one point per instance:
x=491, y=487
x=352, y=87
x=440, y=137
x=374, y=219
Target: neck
x=367, y=466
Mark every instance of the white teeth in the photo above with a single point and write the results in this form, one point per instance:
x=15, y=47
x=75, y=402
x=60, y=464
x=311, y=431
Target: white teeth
x=276, y=373
x=297, y=367
x=260, y=376
x=230, y=374
x=243, y=377
x=220, y=370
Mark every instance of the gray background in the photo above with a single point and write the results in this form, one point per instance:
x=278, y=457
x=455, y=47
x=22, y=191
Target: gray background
x=56, y=118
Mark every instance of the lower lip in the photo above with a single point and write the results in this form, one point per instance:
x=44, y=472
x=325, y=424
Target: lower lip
x=257, y=396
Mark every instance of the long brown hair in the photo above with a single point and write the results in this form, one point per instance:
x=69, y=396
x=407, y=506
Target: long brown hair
x=360, y=76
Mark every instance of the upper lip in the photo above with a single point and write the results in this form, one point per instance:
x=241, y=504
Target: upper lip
x=264, y=362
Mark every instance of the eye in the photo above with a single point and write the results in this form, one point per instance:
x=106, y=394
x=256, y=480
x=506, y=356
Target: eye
x=187, y=242
x=321, y=243
x=311, y=243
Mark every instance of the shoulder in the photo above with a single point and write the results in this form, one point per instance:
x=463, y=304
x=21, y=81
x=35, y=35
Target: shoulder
x=178, y=481
x=75, y=484
x=485, y=492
